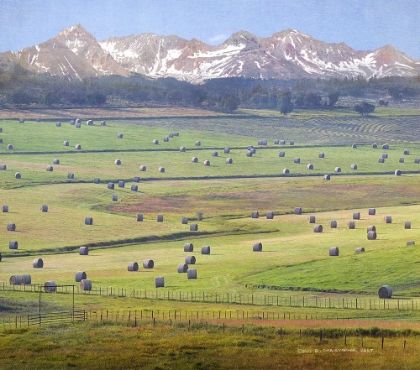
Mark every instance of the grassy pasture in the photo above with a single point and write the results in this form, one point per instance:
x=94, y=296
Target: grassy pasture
x=293, y=257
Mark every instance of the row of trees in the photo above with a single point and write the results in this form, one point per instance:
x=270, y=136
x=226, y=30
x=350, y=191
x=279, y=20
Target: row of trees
x=21, y=88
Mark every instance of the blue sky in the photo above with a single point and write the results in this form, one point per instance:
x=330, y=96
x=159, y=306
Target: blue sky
x=362, y=24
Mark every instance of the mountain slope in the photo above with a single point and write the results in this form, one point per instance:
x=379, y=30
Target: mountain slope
x=75, y=53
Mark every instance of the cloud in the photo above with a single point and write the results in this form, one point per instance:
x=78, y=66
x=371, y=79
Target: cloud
x=218, y=38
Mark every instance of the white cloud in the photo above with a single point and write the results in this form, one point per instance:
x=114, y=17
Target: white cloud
x=218, y=38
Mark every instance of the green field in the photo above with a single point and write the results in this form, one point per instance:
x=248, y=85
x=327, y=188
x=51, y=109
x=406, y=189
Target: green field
x=294, y=263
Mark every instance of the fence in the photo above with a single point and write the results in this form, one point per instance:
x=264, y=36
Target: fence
x=256, y=299
x=54, y=317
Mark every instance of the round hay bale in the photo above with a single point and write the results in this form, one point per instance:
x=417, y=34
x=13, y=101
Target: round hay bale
x=72, y=122
x=385, y=155
x=78, y=120
x=311, y=219
x=226, y=150
x=161, y=169
x=78, y=146
x=292, y=142
x=381, y=160
x=78, y=125
x=182, y=149
x=38, y=263
x=111, y=185
x=1, y=257
x=15, y=280
x=327, y=177
x=263, y=142
x=388, y=219
x=11, y=226
x=298, y=210
x=249, y=153
x=89, y=122
x=276, y=141
x=370, y=228
x=286, y=171
x=134, y=187
x=44, y=208
x=56, y=161
x=385, y=146
x=407, y=225
x=133, y=266
x=3, y=167
x=371, y=235
x=118, y=162
x=184, y=220
x=257, y=247
x=85, y=284
x=359, y=250
x=337, y=170
x=190, y=260
x=159, y=218
x=5, y=208
x=385, y=291
x=83, y=251
x=194, y=227
x=70, y=175
x=142, y=168
x=166, y=139
x=401, y=160
x=411, y=242
x=114, y=197
x=205, y=249
x=136, y=179
x=282, y=142
x=296, y=160
x=356, y=215
x=206, y=162
x=121, y=183
x=318, y=229
x=353, y=166
x=88, y=221
x=334, y=251
x=26, y=279
x=9, y=146
x=354, y=146
x=58, y=124
x=269, y=215
x=182, y=268
x=197, y=143
x=229, y=160
x=171, y=135
x=194, y=159
x=352, y=225
x=159, y=282
x=148, y=264
x=255, y=214
x=214, y=154
x=333, y=224
x=188, y=247
x=310, y=166
x=80, y=275
x=398, y=172
x=13, y=244
x=192, y=273
x=282, y=154
x=139, y=217
x=50, y=287
x=120, y=136
x=103, y=123
x=50, y=168
x=372, y=211
x=321, y=155
x=416, y=160
x=375, y=146
x=156, y=141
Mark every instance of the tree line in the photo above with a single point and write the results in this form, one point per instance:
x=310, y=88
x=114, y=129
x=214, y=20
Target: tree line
x=20, y=88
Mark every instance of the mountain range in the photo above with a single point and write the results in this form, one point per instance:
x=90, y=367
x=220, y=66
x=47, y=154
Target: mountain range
x=76, y=54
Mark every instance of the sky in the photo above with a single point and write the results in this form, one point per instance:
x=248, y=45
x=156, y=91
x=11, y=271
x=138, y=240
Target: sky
x=361, y=24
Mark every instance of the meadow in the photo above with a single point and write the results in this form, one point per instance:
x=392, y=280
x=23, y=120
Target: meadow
x=294, y=263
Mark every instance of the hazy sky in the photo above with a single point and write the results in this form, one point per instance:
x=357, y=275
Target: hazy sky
x=362, y=24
